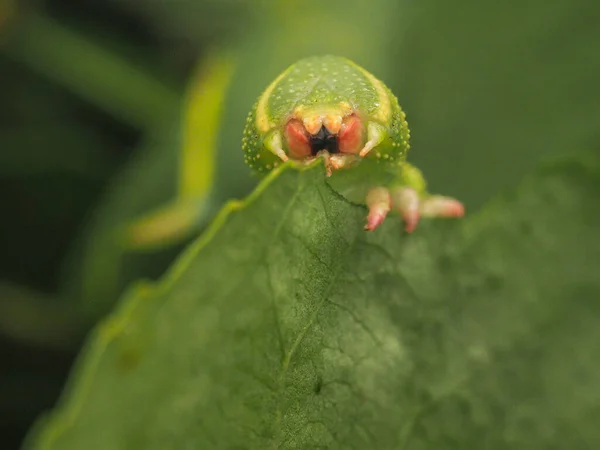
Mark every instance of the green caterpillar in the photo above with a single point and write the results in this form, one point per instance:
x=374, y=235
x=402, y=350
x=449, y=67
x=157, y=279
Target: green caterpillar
x=328, y=107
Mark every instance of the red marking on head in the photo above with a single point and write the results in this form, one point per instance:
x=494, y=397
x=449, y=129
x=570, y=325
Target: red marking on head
x=297, y=140
x=350, y=138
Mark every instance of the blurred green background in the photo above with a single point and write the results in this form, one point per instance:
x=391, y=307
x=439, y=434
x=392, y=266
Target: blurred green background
x=86, y=87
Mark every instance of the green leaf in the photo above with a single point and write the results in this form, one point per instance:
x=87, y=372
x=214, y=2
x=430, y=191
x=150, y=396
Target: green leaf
x=287, y=326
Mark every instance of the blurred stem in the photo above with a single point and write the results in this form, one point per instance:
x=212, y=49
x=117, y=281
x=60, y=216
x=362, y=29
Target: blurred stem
x=34, y=318
x=100, y=77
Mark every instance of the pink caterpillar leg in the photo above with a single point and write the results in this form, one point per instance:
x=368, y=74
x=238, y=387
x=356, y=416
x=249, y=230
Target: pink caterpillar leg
x=379, y=203
x=440, y=206
x=406, y=201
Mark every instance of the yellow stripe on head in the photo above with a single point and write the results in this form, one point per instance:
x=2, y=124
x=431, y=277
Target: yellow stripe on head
x=263, y=121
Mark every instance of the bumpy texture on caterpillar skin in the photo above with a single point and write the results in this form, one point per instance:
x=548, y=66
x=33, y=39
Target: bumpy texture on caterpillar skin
x=327, y=81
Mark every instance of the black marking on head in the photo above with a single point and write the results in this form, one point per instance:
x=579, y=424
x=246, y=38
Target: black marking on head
x=324, y=140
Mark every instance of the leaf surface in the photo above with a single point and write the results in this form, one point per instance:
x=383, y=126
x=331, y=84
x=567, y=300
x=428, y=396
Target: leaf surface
x=287, y=326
